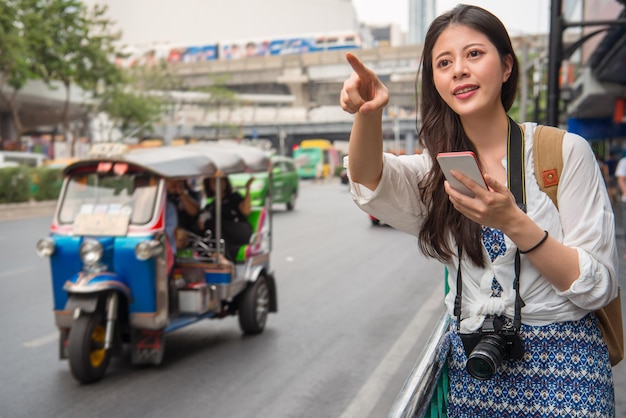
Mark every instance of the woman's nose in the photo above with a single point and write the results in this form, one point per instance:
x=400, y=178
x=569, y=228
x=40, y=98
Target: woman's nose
x=460, y=69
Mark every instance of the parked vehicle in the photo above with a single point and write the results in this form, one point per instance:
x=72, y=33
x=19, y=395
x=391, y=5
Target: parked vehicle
x=282, y=183
x=317, y=158
x=109, y=256
x=15, y=158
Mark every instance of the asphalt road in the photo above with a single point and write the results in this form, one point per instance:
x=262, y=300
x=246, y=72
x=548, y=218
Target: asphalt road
x=356, y=304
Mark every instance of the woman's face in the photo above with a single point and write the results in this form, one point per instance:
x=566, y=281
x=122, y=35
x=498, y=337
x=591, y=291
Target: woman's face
x=468, y=72
x=173, y=186
x=213, y=184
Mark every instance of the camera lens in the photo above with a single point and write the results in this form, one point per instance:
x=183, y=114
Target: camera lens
x=486, y=357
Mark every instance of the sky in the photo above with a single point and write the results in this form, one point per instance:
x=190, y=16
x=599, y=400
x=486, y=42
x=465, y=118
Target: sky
x=519, y=16
x=189, y=22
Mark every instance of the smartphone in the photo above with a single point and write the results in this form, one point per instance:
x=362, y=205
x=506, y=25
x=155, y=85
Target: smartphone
x=464, y=162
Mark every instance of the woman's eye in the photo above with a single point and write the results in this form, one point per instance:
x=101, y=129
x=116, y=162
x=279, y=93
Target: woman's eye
x=443, y=63
x=474, y=53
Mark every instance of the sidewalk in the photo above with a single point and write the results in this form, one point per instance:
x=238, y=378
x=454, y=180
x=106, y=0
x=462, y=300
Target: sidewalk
x=13, y=211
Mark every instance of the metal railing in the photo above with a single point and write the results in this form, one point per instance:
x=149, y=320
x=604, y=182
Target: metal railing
x=425, y=391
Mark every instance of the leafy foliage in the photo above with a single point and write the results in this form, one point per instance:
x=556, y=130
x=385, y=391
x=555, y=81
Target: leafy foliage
x=46, y=183
x=15, y=59
x=15, y=183
x=131, y=109
x=64, y=41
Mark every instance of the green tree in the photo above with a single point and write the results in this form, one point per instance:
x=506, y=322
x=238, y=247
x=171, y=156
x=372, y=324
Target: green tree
x=76, y=46
x=220, y=96
x=17, y=65
x=142, y=100
x=131, y=111
x=55, y=41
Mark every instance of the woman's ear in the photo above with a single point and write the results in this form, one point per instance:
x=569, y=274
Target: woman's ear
x=507, y=64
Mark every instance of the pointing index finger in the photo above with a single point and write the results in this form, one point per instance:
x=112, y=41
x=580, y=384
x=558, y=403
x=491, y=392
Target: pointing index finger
x=361, y=70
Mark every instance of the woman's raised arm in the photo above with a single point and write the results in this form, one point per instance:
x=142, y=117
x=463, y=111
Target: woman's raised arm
x=364, y=96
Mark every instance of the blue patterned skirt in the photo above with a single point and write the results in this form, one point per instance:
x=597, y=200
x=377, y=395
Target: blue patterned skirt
x=565, y=372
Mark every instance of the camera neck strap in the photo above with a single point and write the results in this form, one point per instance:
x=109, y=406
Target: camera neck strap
x=516, y=184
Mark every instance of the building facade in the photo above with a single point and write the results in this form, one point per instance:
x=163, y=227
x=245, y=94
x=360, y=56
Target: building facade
x=421, y=13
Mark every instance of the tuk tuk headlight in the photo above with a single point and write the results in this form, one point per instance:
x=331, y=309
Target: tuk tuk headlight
x=45, y=247
x=148, y=249
x=90, y=252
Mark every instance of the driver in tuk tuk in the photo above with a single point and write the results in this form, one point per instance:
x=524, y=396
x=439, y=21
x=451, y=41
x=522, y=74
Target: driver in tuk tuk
x=236, y=230
x=185, y=203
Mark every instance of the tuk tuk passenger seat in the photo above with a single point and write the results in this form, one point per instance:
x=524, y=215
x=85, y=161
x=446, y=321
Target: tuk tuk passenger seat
x=256, y=218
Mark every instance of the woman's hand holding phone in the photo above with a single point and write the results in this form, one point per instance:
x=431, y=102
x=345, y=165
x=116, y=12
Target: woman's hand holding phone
x=495, y=209
x=464, y=162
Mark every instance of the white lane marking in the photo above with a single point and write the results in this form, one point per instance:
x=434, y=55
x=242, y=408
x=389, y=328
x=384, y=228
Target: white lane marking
x=46, y=339
x=374, y=387
x=16, y=272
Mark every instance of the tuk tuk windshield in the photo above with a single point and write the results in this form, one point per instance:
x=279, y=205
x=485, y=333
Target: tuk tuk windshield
x=130, y=194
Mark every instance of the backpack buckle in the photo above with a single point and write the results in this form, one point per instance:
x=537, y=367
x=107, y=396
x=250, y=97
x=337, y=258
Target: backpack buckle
x=550, y=177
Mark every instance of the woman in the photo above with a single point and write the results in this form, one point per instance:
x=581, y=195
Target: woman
x=235, y=208
x=557, y=363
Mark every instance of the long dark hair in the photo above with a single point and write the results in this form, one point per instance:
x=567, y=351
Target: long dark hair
x=441, y=131
x=209, y=192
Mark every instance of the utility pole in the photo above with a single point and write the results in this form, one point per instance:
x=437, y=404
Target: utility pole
x=555, y=48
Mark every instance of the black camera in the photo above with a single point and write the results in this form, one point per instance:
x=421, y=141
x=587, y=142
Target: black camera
x=497, y=340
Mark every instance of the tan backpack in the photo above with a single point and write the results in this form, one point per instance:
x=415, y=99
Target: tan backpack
x=548, y=158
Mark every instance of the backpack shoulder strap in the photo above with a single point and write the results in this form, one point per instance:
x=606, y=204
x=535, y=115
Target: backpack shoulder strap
x=548, y=158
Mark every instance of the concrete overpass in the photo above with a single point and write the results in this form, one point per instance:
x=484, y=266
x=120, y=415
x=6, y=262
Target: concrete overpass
x=293, y=97
x=315, y=79
x=40, y=107
x=283, y=98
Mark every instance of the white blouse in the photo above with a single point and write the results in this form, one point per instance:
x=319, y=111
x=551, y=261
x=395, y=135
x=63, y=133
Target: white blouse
x=584, y=220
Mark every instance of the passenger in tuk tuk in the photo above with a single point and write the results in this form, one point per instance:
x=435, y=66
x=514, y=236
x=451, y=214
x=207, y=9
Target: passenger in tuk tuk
x=236, y=230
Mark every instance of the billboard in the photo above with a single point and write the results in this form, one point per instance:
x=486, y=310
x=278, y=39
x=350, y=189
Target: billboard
x=241, y=49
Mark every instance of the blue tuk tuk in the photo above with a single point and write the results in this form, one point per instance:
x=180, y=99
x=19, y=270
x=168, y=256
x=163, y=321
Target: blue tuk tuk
x=109, y=251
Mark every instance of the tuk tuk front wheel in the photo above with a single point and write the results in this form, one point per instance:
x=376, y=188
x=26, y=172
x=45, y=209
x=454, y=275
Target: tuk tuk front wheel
x=254, y=306
x=87, y=355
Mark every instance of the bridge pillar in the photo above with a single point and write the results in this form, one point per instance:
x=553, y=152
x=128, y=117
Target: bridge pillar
x=297, y=82
x=7, y=127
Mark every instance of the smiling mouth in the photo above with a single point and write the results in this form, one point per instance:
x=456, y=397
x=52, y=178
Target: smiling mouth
x=465, y=90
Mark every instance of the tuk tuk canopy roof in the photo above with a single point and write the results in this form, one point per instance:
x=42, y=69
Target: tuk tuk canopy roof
x=193, y=160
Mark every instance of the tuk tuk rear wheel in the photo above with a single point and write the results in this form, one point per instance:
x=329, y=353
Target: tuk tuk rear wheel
x=254, y=306
x=87, y=355
x=292, y=200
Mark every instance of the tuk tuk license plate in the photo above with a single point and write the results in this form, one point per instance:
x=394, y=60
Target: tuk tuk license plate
x=103, y=224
